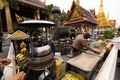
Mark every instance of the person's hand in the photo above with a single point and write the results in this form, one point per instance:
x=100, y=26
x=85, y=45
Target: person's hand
x=97, y=51
x=18, y=76
x=4, y=62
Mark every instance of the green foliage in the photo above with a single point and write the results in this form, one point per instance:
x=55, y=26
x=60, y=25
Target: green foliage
x=20, y=28
x=35, y=30
x=63, y=17
x=108, y=34
x=13, y=4
x=47, y=11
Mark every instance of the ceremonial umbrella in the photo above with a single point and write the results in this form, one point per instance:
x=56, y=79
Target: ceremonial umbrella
x=18, y=35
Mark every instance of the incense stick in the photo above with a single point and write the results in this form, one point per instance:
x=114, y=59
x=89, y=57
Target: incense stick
x=10, y=66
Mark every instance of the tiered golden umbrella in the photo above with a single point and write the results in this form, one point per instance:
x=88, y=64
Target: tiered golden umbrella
x=18, y=35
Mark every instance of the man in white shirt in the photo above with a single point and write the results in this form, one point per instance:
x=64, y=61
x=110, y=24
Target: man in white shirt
x=117, y=41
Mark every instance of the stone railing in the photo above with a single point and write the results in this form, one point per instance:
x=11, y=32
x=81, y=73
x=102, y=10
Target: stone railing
x=107, y=71
x=10, y=70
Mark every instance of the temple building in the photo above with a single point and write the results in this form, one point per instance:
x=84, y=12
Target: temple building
x=13, y=11
x=80, y=19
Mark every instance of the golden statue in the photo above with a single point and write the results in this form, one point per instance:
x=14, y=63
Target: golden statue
x=21, y=57
x=23, y=48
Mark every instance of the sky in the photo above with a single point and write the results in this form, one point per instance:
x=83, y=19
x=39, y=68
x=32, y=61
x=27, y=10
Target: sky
x=111, y=7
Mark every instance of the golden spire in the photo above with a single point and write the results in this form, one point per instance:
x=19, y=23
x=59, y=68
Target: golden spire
x=108, y=16
x=108, y=19
x=45, y=2
x=102, y=20
x=78, y=2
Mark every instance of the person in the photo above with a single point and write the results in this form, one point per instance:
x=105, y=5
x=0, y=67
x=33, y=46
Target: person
x=80, y=42
x=117, y=41
x=18, y=76
x=1, y=39
x=3, y=62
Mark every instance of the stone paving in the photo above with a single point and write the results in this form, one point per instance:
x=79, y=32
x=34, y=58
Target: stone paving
x=5, y=48
x=6, y=45
x=117, y=72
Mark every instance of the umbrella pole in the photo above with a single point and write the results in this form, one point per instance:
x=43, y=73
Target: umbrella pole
x=30, y=41
x=14, y=47
x=46, y=32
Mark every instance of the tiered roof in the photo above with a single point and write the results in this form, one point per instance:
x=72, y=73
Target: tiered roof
x=27, y=8
x=33, y=3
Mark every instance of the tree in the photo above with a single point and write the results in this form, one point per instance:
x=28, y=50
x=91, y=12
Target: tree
x=63, y=17
x=48, y=12
x=13, y=4
x=109, y=34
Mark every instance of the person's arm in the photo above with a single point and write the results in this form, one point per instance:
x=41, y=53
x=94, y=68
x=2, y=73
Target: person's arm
x=89, y=48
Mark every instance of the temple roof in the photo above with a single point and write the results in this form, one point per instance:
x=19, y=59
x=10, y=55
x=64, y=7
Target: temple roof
x=33, y=3
x=102, y=20
x=78, y=15
x=27, y=8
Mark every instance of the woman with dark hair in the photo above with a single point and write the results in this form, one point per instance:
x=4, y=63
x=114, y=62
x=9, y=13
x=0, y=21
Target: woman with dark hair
x=80, y=42
x=18, y=76
x=3, y=62
x=1, y=38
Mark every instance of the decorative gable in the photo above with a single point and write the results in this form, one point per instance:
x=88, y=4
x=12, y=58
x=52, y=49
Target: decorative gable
x=75, y=14
x=78, y=14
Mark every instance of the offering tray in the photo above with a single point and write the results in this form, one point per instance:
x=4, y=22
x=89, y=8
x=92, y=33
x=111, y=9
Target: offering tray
x=99, y=55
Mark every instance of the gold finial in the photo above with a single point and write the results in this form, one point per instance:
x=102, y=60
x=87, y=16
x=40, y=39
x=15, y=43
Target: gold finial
x=108, y=15
x=78, y=2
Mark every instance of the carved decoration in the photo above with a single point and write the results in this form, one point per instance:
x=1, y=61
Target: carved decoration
x=75, y=14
